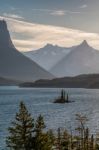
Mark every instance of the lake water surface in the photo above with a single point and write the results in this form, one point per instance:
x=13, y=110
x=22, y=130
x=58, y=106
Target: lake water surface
x=40, y=101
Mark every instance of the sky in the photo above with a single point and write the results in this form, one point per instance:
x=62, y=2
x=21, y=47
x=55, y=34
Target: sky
x=34, y=23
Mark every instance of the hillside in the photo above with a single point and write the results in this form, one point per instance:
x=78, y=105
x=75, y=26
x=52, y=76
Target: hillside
x=81, y=81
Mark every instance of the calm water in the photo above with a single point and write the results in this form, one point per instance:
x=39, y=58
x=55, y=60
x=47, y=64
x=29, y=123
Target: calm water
x=40, y=101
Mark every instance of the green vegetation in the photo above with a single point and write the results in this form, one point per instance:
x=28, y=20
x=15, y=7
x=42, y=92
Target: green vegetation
x=26, y=133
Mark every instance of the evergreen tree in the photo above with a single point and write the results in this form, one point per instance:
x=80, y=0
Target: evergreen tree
x=51, y=137
x=41, y=140
x=81, y=128
x=59, y=139
x=86, y=138
x=21, y=131
x=40, y=125
x=66, y=141
x=92, y=143
x=67, y=100
x=62, y=94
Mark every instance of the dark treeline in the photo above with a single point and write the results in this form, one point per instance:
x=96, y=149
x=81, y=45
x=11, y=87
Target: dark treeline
x=25, y=133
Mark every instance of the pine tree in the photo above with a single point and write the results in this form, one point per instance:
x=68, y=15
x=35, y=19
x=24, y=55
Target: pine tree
x=66, y=140
x=41, y=140
x=67, y=100
x=92, y=143
x=21, y=130
x=51, y=137
x=62, y=94
x=40, y=125
x=59, y=139
x=86, y=138
x=81, y=128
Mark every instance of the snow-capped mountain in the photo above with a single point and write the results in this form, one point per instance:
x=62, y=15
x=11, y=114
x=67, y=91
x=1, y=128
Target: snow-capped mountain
x=48, y=56
x=13, y=64
x=82, y=60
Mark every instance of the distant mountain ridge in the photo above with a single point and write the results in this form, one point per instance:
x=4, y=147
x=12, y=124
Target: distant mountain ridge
x=13, y=64
x=48, y=56
x=82, y=60
x=81, y=81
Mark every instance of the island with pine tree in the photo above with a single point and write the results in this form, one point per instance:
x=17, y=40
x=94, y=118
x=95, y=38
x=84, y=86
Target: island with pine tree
x=63, y=98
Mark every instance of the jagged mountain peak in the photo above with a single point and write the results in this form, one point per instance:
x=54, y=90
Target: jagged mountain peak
x=49, y=46
x=82, y=60
x=83, y=47
x=5, y=39
x=84, y=43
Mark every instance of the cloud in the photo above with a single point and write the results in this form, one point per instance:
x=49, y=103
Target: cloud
x=12, y=16
x=27, y=36
x=83, y=6
x=73, y=12
x=43, y=10
x=58, y=13
x=51, y=12
x=13, y=8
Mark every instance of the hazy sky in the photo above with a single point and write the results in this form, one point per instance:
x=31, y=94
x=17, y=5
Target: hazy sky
x=34, y=23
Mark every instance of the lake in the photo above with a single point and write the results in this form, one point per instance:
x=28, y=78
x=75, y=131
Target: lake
x=40, y=101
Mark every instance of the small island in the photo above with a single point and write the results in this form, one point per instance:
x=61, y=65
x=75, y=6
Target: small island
x=63, y=98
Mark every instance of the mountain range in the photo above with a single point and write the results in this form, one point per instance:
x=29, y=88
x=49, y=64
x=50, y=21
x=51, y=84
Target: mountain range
x=58, y=61
x=83, y=59
x=79, y=59
x=48, y=56
x=13, y=64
